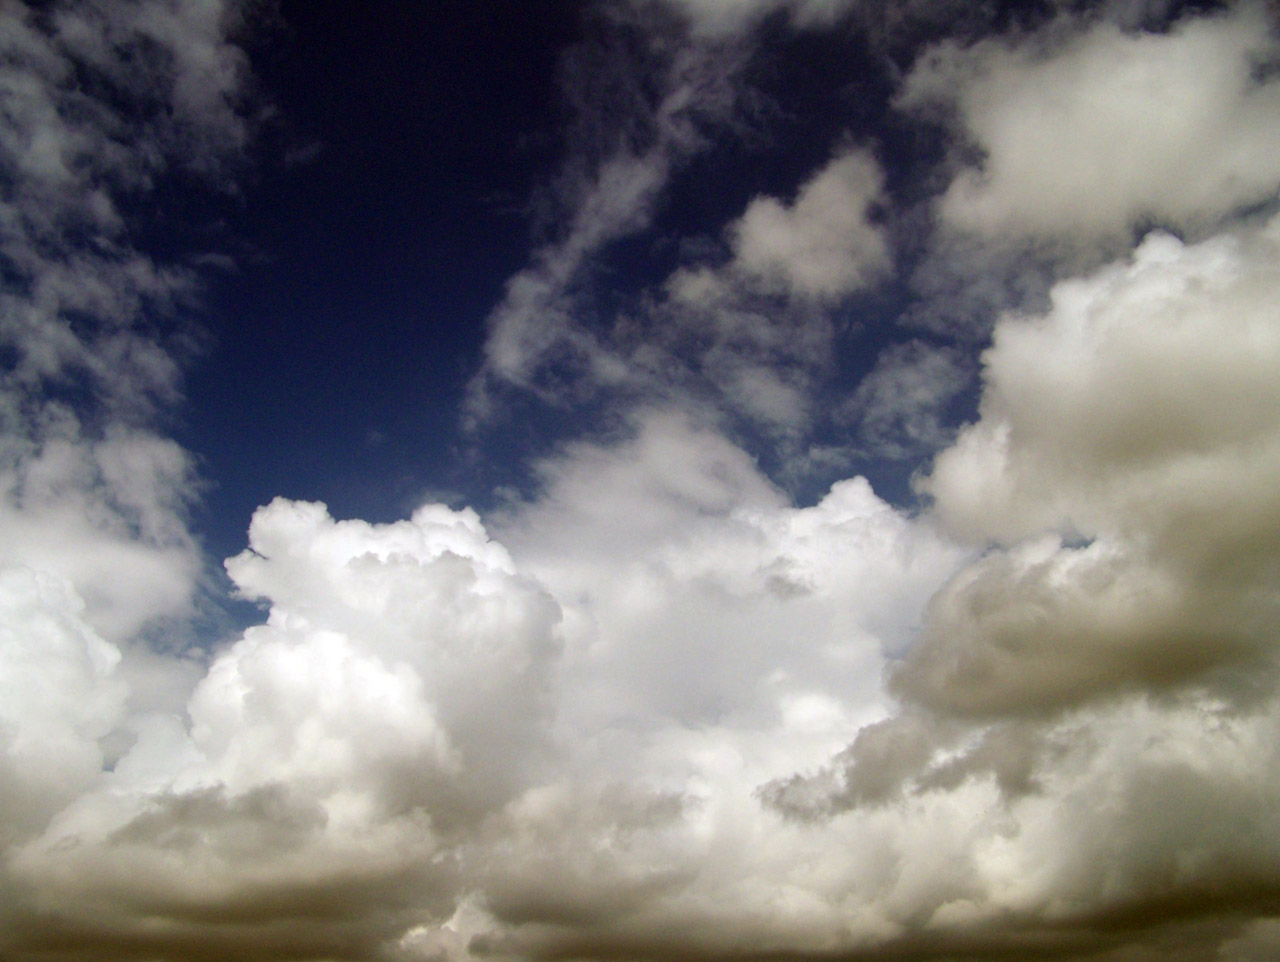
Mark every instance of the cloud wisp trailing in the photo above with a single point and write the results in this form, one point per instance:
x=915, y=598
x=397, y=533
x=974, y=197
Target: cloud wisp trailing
x=654, y=705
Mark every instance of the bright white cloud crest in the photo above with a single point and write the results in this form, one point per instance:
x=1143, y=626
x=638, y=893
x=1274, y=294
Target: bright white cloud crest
x=654, y=707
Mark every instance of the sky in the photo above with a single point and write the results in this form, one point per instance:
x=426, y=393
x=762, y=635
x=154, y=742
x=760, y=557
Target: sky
x=632, y=480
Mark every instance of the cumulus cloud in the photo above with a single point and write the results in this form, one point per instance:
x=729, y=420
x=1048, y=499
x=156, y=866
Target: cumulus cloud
x=654, y=707
x=674, y=542
x=1137, y=416
x=395, y=695
x=555, y=730
x=430, y=609
x=1086, y=130
x=822, y=246
x=99, y=101
x=1105, y=666
x=108, y=514
x=61, y=695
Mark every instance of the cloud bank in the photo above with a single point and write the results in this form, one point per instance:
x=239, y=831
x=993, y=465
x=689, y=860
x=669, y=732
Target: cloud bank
x=656, y=706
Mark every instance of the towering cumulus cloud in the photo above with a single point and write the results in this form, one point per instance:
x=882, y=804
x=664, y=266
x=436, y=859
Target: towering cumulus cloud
x=691, y=688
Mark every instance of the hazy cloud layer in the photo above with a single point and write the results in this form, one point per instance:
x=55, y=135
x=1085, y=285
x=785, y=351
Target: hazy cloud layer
x=900, y=406
x=654, y=707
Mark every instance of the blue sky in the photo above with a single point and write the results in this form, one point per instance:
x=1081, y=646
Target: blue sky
x=639, y=479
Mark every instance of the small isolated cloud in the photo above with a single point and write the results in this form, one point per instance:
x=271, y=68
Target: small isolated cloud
x=1086, y=131
x=824, y=245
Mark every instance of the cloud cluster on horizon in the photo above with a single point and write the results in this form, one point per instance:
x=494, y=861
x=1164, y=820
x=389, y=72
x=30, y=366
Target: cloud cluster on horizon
x=655, y=708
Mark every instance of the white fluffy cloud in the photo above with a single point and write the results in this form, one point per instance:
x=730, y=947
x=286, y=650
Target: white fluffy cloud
x=416, y=718
x=59, y=695
x=1141, y=416
x=396, y=696
x=107, y=514
x=1086, y=132
x=1106, y=667
x=672, y=546
x=656, y=708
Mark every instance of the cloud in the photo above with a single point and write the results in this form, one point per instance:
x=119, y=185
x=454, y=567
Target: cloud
x=753, y=331
x=420, y=629
x=823, y=246
x=655, y=95
x=108, y=514
x=1137, y=415
x=900, y=406
x=655, y=707
x=101, y=101
x=718, y=17
x=643, y=94
x=881, y=20
x=1104, y=666
x=61, y=695
x=395, y=697
x=412, y=721
x=673, y=543
x=1086, y=130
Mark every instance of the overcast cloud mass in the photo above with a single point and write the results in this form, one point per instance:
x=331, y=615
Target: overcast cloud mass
x=862, y=539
